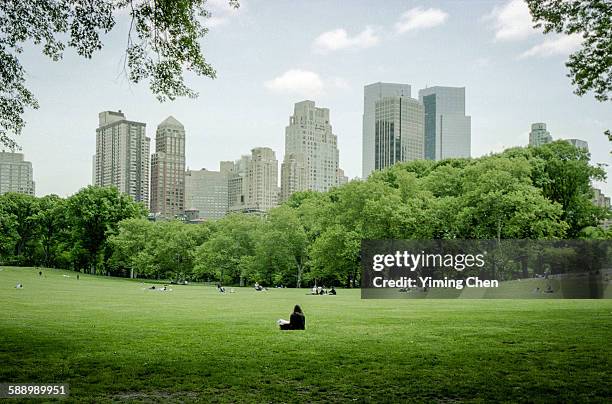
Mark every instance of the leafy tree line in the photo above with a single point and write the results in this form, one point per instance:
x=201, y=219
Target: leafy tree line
x=522, y=193
x=65, y=233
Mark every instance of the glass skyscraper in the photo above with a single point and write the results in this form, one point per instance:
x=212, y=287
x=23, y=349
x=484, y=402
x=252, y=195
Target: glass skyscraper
x=448, y=131
x=371, y=94
x=398, y=131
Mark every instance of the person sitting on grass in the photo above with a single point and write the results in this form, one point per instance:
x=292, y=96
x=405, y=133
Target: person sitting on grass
x=332, y=291
x=220, y=288
x=297, y=320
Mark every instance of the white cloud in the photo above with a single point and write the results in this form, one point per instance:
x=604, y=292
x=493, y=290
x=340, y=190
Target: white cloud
x=301, y=82
x=221, y=12
x=559, y=45
x=512, y=21
x=419, y=18
x=338, y=39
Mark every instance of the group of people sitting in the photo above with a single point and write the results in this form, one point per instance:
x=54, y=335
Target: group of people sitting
x=322, y=290
x=259, y=288
x=162, y=289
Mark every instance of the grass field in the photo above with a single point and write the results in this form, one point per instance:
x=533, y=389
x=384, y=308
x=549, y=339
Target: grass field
x=113, y=340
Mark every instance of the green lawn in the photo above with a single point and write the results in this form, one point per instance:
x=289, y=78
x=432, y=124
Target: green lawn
x=111, y=339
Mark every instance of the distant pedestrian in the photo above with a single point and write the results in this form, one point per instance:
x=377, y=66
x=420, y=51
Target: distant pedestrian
x=77, y=277
x=39, y=273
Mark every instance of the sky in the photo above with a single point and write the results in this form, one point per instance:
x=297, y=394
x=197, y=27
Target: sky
x=270, y=54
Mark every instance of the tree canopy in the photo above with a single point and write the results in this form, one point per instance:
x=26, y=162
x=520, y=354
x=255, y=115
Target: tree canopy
x=590, y=67
x=162, y=43
x=522, y=193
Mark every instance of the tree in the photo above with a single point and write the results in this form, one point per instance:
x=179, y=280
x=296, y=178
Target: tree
x=590, y=68
x=95, y=213
x=163, y=41
x=224, y=256
x=129, y=247
x=51, y=222
x=564, y=174
x=18, y=230
x=335, y=256
x=281, y=248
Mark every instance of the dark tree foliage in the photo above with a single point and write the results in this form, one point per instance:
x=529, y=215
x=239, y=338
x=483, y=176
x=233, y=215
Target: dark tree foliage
x=163, y=42
x=590, y=68
x=95, y=213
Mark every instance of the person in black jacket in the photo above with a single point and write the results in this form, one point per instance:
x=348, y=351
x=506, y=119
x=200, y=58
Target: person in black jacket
x=297, y=320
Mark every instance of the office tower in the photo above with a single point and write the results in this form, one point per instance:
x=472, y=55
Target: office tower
x=168, y=170
x=207, y=192
x=16, y=174
x=237, y=182
x=122, y=155
x=399, y=130
x=294, y=175
x=371, y=94
x=539, y=135
x=581, y=144
x=448, y=131
x=311, y=149
x=262, y=184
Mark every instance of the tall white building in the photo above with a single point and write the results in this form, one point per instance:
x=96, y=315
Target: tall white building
x=399, y=130
x=262, y=185
x=237, y=183
x=311, y=149
x=372, y=93
x=539, y=135
x=122, y=155
x=207, y=192
x=168, y=170
x=253, y=182
x=294, y=175
x=16, y=174
x=448, y=131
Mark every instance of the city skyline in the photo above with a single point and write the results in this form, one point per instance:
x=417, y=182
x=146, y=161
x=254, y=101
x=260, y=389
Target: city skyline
x=512, y=80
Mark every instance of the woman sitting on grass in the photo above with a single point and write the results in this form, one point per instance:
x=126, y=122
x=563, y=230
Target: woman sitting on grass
x=297, y=320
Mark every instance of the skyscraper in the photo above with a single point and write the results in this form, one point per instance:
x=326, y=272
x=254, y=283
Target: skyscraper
x=371, y=94
x=207, y=192
x=539, y=135
x=262, y=185
x=448, y=131
x=16, y=174
x=237, y=183
x=168, y=169
x=253, y=182
x=294, y=175
x=122, y=155
x=399, y=125
x=311, y=151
